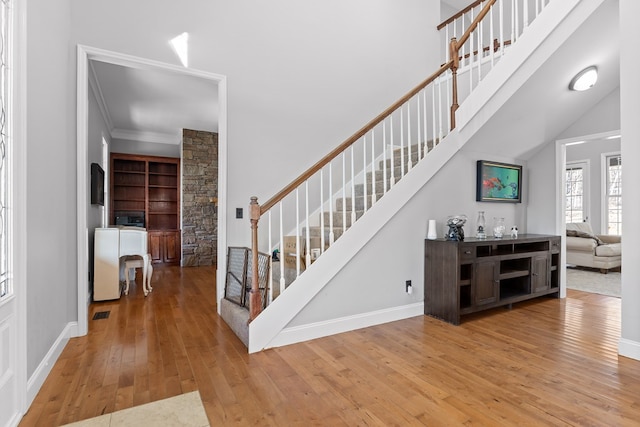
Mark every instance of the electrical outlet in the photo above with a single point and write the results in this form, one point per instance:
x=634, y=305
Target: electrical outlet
x=408, y=287
x=238, y=213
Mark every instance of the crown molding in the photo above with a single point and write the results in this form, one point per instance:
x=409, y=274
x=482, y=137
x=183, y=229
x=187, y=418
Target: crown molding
x=144, y=136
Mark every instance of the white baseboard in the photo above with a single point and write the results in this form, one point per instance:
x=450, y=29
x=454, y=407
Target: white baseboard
x=44, y=368
x=311, y=331
x=628, y=348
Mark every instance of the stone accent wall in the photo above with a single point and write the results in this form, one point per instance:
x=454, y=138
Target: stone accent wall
x=199, y=188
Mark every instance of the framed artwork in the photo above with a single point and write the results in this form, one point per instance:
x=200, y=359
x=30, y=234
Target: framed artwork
x=498, y=182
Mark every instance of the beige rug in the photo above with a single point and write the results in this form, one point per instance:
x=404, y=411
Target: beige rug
x=185, y=410
x=593, y=281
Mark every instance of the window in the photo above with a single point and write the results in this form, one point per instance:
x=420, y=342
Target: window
x=577, y=174
x=5, y=288
x=613, y=202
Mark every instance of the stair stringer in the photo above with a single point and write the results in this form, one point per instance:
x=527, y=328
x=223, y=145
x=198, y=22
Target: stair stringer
x=270, y=328
x=559, y=20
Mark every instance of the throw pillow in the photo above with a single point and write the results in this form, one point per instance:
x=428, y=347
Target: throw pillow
x=576, y=233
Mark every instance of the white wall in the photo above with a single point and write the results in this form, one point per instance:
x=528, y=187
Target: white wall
x=51, y=177
x=544, y=183
x=630, y=108
x=302, y=77
x=592, y=151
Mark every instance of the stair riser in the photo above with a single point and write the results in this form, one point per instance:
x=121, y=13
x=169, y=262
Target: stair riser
x=359, y=189
x=359, y=202
x=316, y=232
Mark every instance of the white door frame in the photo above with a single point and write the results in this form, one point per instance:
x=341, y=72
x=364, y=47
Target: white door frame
x=86, y=54
x=561, y=206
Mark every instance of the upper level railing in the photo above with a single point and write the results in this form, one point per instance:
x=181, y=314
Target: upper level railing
x=306, y=217
x=488, y=42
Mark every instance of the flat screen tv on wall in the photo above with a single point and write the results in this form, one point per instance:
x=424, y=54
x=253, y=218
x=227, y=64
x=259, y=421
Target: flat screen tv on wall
x=498, y=182
x=97, y=185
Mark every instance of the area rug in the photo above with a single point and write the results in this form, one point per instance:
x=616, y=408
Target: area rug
x=593, y=281
x=185, y=410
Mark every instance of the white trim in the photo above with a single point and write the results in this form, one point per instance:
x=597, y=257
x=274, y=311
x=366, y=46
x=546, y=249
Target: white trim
x=561, y=164
x=86, y=54
x=19, y=197
x=155, y=137
x=604, y=190
x=44, y=368
x=348, y=323
x=628, y=348
x=97, y=92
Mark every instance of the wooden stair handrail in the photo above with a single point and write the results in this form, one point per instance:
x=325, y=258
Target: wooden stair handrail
x=459, y=14
x=475, y=22
x=347, y=143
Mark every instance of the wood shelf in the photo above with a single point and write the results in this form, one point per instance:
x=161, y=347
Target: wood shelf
x=149, y=187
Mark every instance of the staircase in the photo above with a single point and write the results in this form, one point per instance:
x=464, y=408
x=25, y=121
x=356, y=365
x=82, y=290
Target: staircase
x=354, y=283
x=341, y=218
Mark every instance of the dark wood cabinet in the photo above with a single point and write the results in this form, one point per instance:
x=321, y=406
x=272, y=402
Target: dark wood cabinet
x=165, y=247
x=145, y=192
x=474, y=275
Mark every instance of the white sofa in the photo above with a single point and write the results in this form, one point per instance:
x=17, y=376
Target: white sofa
x=586, y=249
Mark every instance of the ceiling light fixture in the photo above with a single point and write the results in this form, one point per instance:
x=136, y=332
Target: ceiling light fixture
x=585, y=79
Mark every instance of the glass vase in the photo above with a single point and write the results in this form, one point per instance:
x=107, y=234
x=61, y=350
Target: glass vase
x=480, y=226
x=498, y=228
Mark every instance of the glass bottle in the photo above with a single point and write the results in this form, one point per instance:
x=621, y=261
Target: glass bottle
x=480, y=226
x=498, y=227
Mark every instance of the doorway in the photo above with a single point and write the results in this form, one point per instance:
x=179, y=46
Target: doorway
x=584, y=199
x=87, y=56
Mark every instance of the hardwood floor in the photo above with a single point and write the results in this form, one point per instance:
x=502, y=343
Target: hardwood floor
x=545, y=362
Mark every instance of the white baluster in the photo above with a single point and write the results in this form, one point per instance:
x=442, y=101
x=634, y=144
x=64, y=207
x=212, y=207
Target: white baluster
x=297, y=233
x=322, y=240
x=424, y=121
x=446, y=41
x=433, y=113
x=270, y=293
x=513, y=21
x=344, y=195
x=282, y=253
x=402, y=166
x=471, y=57
x=449, y=101
x=525, y=15
x=373, y=168
x=307, y=250
x=502, y=40
x=419, y=130
x=353, y=188
x=384, y=157
x=364, y=162
x=491, y=37
x=461, y=53
x=440, y=134
x=393, y=160
x=480, y=51
x=331, y=234
x=409, y=157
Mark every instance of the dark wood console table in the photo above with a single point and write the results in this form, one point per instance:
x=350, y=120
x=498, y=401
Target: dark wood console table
x=478, y=274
